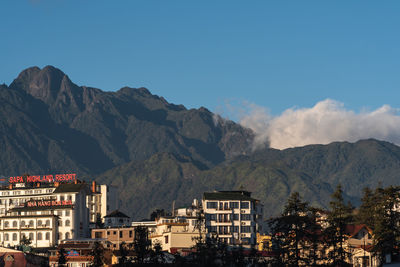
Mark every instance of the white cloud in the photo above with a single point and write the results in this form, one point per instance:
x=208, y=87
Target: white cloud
x=326, y=122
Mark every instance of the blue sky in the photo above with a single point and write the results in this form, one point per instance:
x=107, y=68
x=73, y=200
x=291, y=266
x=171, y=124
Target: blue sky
x=275, y=54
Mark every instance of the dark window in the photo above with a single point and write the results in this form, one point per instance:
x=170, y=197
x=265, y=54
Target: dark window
x=166, y=239
x=246, y=217
x=130, y=233
x=244, y=205
x=235, y=217
x=212, y=205
x=245, y=229
x=98, y=235
x=120, y=234
x=234, y=205
x=108, y=232
x=115, y=232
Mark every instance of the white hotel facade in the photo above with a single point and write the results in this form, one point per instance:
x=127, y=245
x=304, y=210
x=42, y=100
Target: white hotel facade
x=234, y=217
x=47, y=213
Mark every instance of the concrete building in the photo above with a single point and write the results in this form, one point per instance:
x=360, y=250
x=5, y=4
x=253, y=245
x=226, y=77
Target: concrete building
x=46, y=211
x=117, y=219
x=175, y=234
x=233, y=216
x=115, y=236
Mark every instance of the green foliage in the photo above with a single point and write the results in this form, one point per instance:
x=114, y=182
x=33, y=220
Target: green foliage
x=62, y=259
x=141, y=244
x=339, y=216
x=98, y=255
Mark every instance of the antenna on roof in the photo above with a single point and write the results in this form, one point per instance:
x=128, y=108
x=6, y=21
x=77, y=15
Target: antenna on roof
x=173, y=208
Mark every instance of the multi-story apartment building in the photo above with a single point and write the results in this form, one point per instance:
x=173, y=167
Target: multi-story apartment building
x=234, y=217
x=45, y=211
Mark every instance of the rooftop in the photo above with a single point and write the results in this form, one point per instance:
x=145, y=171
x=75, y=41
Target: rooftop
x=69, y=188
x=116, y=213
x=228, y=195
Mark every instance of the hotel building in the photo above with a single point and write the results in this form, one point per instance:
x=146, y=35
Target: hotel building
x=233, y=216
x=47, y=212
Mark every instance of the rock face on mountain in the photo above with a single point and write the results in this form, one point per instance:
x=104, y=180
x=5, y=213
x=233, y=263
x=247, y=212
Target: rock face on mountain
x=49, y=124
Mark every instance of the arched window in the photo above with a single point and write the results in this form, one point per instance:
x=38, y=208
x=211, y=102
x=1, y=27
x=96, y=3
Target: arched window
x=22, y=223
x=15, y=224
x=47, y=236
x=6, y=224
x=31, y=236
x=67, y=223
x=39, y=223
x=31, y=223
x=39, y=236
x=67, y=235
x=6, y=237
x=14, y=237
x=48, y=223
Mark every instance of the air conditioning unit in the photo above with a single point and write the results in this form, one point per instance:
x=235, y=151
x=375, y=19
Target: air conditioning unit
x=243, y=223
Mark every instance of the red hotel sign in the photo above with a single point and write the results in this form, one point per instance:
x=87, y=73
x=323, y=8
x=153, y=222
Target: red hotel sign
x=43, y=178
x=48, y=203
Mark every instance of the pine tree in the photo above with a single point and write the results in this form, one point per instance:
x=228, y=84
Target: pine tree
x=62, y=260
x=367, y=210
x=339, y=217
x=290, y=231
x=141, y=244
x=386, y=226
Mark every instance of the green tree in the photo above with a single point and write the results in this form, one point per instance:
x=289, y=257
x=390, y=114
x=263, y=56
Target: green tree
x=124, y=251
x=98, y=255
x=62, y=260
x=386, y=222
x=368, y=208
x=338, y=218
x=141, y=244
x=290, y=231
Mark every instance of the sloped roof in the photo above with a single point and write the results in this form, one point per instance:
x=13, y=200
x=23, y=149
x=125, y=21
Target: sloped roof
x=353, y=229
x=116, y=213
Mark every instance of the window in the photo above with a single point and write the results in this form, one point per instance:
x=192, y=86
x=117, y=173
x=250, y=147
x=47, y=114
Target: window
x=6, y=224
x=244, y=205
x=235, y=217
x=31, y=236
x=212, y=205
x=67, y=223
x=108, y=232
x=166, y=239
x=59, y=223
x=6, y=237
x=67, y=213
x=245, y=217
x=31, y=223
x=39, y=223
x=47, y=236
x=61, y=197
x=14, y=237
x=67, y=235
x=130, y=233
x=15, y=224
x=39, y=236
x=234, y=205
x=98, y=235
x=69, y=197
x=235, y=229
x=245, y=229
x=115, y=232
x=120, y=234
x=47, y=223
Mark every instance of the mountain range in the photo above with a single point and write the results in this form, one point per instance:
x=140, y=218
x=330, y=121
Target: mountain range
x=156, y=152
